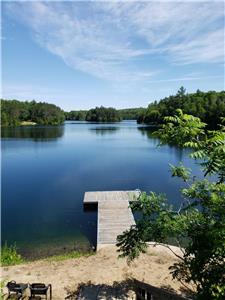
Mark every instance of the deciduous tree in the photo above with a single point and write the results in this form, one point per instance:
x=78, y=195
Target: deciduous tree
x=198, y=224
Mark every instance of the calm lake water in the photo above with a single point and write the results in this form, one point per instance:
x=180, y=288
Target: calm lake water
x=46, y=170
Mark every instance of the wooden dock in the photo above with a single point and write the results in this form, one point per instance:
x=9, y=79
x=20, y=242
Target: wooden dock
x=114, y=214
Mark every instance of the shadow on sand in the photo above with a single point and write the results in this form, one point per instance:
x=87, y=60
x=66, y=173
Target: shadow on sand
x=127, y=289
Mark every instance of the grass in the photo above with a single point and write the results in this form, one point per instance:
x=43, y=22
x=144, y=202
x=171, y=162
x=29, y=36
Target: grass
x=69, y=255
x=10, y=256
x=152, y=253
x=2, y=285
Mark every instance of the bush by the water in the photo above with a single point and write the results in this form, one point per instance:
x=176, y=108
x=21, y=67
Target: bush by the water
x=10, y=256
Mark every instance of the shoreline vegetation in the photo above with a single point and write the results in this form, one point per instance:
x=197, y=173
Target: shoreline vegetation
x=103, y=114
x=11, y=257
x=16, y=113
x=208, y=106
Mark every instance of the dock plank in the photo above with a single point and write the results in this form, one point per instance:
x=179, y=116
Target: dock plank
x=114, y=213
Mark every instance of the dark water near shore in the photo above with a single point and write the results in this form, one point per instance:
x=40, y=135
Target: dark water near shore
x=46, y=170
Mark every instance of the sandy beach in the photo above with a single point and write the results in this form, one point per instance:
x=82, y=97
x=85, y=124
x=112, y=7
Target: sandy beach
x=102, y=268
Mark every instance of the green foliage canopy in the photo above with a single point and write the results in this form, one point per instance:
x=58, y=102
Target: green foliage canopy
x=99, y=113
x=103, y=114
x=13, y=112
x=76, y=115
x=208, y=145
x=208, y=106
x=131, y=113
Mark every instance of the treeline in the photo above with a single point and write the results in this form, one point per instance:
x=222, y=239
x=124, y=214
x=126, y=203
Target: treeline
x=76, y=115
x=208, y=106
x=131, y=113
x=14, y=112
x=97, y=114
x=103, y=114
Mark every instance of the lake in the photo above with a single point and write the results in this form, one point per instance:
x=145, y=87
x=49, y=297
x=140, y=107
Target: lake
x=47, y=169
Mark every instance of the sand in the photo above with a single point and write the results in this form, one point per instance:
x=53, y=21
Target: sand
x=102, y=268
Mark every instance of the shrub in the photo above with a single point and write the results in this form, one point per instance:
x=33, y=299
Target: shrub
x=9, y=255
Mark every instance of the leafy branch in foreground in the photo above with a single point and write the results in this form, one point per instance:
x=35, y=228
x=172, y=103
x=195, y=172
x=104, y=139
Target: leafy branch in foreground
x=199, y=223
x=189, y=132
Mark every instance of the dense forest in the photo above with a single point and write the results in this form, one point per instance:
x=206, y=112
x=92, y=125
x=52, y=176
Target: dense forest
x=208, y=106
x=131, y=113
x=103, y=114
x=15, y=112
x=97, y=114
x=76, y=115
x=123, y=114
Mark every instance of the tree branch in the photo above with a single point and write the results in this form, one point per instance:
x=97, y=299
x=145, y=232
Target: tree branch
x=166, y=246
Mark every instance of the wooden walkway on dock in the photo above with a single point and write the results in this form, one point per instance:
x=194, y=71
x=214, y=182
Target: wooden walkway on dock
x=114, y=214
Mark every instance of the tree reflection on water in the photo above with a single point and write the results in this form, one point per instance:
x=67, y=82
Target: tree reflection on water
x=35, y=133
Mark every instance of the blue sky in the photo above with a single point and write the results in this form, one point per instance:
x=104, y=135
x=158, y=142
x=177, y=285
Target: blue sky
x=84, y=54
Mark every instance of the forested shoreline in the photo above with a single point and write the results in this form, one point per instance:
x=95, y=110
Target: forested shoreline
x=103, y=114
x=14, y=113
x=97, y=114
x=209, y=106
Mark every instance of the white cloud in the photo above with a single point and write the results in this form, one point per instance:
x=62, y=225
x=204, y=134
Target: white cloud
x=183, y=32
x=109, y=39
